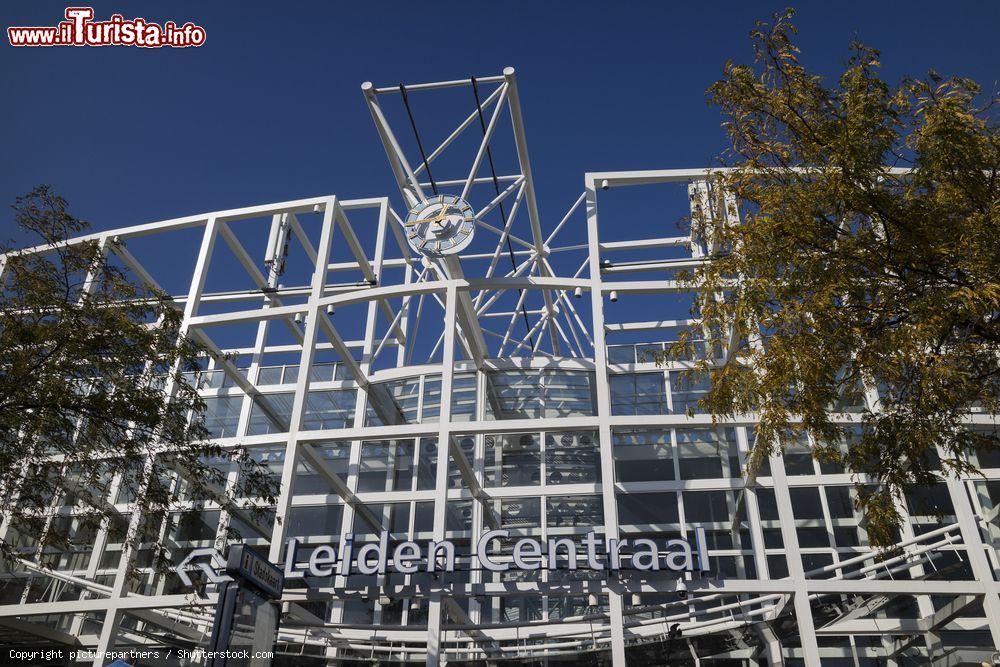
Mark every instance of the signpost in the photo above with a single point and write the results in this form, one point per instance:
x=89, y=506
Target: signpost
x=246, y=618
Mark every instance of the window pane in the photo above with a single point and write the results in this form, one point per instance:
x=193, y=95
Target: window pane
x=643, y=455
x=707, y=453
x=308, y=481
x=386, y=465
x=270, y=414
x=638, y=394
x=314, y=521
x=657, y=509
x=521, y=513
x=513, y=459
x=222, y=415
x=621, y=354
x=427, y=464
x=572, y=458
x=567, y=394
x=572, y=511
x=329, y=409
x=538, y=394
x=391, y=403
x=708, y=507
x=685, y=391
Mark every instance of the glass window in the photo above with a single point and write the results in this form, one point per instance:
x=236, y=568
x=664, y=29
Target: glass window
x=621, y=354
x=638, y=394
x=797, y=455
x=271, y=458
x=458, y=516
x=513, y=459
x=463, y=398
x=322, y=372
x=269, y=375
x=644, y=455
x=386, y=466
x=537, y=394
x=929, y=501
x=686, y=389
x=270, y=414
x=767, y=504
x=467, y=445
x=709, y=507
x=572, y=458
x=329, y=409
x=427, y=464
x=852, y=398
x=337, y=457
x=839, y=500
x=514, y=395
x=987, y=457
x=658, y=509
x=314, y=521
x=572, y=511
x=567, y=394
x=521, y=513
x=805, y=503
x=363, y=528
x=290, y=374
x=222, y=415
x=399, y=518
x=423, y=518
x=196, y=526
x=707, y=453
x=391, y=403
x=647, y=353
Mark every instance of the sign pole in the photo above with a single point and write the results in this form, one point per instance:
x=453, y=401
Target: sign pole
x=247, y=615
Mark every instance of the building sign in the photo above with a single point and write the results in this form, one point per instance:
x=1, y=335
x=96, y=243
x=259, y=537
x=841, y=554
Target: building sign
x=529, y=553
x=409, y=557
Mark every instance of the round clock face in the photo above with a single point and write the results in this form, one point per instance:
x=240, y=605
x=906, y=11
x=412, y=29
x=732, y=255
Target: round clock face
x=441, y=225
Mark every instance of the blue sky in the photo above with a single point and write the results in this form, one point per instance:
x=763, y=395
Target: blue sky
x=270, y=108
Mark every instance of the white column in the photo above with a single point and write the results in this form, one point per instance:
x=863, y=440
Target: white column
x=434, y=652
x=803, y=610
x=120, y=585
x=603, y=392
x=302, y=384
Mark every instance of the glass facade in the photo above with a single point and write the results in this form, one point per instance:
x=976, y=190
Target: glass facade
x=422, y=419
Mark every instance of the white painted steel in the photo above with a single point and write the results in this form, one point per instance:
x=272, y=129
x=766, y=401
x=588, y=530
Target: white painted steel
x=410, y=303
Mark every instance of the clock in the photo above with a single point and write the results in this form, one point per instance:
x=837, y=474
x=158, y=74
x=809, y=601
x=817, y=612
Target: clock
x=441, y=225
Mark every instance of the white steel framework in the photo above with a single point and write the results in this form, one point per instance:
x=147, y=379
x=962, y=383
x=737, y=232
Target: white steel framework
x=343, y=361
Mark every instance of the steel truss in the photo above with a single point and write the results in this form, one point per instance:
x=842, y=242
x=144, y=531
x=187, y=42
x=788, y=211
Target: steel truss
x=449, y=308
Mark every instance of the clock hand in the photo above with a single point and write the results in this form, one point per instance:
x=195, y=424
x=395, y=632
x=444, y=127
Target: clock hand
x=441, y=215
x=418, y=221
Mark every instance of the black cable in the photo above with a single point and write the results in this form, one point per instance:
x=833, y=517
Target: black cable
x=503, y=215
x=413, y=124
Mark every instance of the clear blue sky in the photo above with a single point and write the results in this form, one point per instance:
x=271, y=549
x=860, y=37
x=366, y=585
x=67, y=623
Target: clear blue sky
x=270, y=109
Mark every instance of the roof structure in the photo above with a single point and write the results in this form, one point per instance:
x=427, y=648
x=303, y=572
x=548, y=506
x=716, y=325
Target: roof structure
x=509, y=386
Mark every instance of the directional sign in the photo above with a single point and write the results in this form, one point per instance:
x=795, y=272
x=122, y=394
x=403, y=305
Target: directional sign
x=249, y=566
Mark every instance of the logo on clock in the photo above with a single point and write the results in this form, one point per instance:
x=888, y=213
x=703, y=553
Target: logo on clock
x=441, y=225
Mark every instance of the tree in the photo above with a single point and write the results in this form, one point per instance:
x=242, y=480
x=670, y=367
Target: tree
x=867, y=264
x=93, y=393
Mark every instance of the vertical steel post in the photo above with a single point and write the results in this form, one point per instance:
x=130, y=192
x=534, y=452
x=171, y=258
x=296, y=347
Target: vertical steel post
x=434, y=640
x=603, y=390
